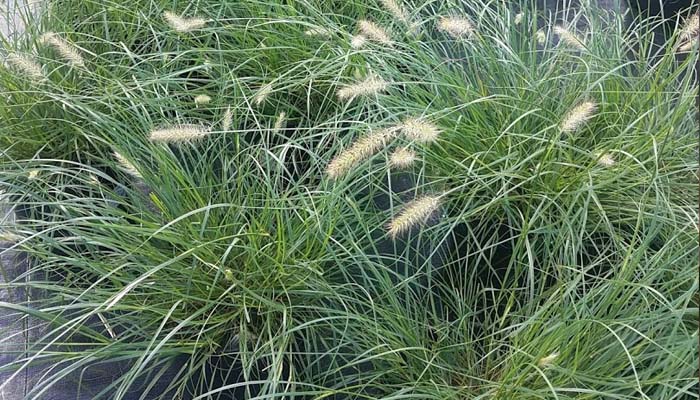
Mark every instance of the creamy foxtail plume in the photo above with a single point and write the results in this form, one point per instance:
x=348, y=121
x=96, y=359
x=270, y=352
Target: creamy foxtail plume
x=419, y=130
x=227, y=120
x=280, y=122
x=68, y=51
x=182, y=24
x=179, y=133
x=540, y=36
x=7, y=236
x=413, y=214
x=569, y=38
x=548, y=360
x=358, y=41
x=606, y=160
x=26, y=65
x=457, y=27
x=578, y=116
x=319, y=31
x=262, y=94
x=362, y=149
x=373, y=32
x=202, y=99
x=402, y=158
x=126, y=165
x=518, y=18
x=690, y=28
x=397, y=10
x=372, y=85
x=689, y=45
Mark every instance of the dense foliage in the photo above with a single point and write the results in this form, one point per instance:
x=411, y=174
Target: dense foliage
x=325, y=199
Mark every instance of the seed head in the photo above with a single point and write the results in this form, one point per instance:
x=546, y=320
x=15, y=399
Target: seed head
x=181, y=24
x=457, y=27
x=402, y=158
x=578, y=116
x=397, y=10
x=202, y=99
x=319, y=31
x=262, y=94
x=127, y=166
x=358, y=41
x=227, y=120
x=569, y=38
x=548, y=360
x=24, y=64
x=33, y=174
x=518, y=18
x=373, y=32
x=179, y=133
x=359, y=151
x=689, y=45
x=606, y=160
x=373, y=84
x=419, y=130
x=690, y=28
x=7, y=236
x=414, y=213
x=540, y=36
x=280, y=122
x=228, y=274
x=69, y=52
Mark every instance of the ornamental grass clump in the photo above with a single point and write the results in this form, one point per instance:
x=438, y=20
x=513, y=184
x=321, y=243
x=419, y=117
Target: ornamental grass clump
x=470, y=212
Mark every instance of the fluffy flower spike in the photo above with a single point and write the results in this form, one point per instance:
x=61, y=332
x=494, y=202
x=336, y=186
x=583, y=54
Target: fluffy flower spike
x=569, y=38
x=280, y=122
x=181, y=24
x=419, y=130
x=227, y=120
x=359, y=151
x=179, y=133
x=457, y=27
x=402, y=158
x=262, y=94
x=690, y=28
x=540, y=36
x=606, y=160
x=373, y=32
x=397, y=10
x=413, y=214
x=126, y=165
x=689, y=45
x=24, y=64
x=578, y=116
x=202, y=99
x=319, y=32
x=69, y=52
x=547, y=360
x=371, y=85
x=518, y=18
x=358, y=41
